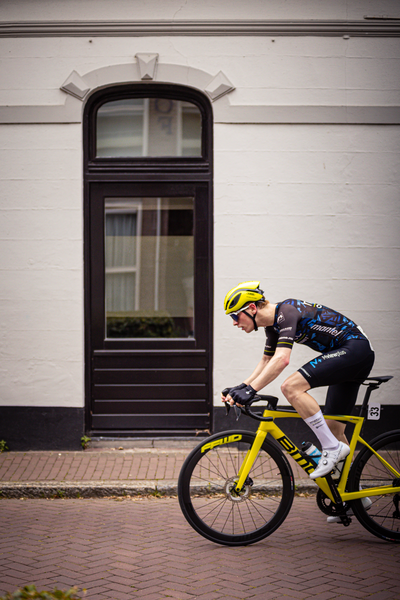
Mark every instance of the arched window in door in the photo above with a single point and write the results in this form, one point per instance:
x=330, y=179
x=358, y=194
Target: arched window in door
x=148, y=127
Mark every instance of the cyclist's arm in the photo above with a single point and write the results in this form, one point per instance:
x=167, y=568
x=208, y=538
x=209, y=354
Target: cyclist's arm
x=272, y=368
x=268, y=369
x=259, y=369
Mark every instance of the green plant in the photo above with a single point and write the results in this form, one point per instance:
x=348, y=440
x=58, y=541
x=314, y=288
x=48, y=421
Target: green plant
x=84, y=443
x=3, y=446
x=29, y=592
x=143, y=326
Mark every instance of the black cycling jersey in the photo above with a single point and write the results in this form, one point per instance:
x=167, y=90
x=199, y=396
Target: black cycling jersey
x=314, y=325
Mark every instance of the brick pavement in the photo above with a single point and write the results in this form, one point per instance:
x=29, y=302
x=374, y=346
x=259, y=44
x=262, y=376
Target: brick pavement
x=142, y=548
x=101, y=472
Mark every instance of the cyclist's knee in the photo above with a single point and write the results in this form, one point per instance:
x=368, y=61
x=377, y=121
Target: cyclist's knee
x=289, y=389
x=294, y=386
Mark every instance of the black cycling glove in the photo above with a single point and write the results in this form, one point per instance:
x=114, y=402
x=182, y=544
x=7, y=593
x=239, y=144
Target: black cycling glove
x=227, y=391
x=243, y=395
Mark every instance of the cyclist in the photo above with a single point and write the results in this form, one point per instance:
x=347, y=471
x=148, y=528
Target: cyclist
x=346, y=359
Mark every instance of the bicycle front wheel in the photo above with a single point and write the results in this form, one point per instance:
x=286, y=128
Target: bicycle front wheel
x=207, y=495
x=380, y=515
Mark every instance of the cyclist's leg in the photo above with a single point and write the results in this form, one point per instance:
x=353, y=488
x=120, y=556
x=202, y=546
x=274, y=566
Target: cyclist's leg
x=295, y=389
x=340, y=400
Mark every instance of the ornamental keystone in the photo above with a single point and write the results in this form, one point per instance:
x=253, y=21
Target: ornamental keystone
x=147, y=65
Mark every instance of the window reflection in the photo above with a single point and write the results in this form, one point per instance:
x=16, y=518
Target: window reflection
x=149, y=290
x=136, y=127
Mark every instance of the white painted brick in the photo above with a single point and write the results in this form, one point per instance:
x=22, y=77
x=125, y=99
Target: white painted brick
x=40, y=164
x=42, y=137
x=191, y=9
x=43, y=315
x=327, y=231
x=35, y=382
x=41, y=224
x=36, y=284
x=41, y=254
x=44, y=346
x=65, y=194
x=311, y=210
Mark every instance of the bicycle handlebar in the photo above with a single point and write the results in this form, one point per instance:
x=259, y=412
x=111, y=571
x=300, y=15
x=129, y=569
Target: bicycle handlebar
x=245, y=410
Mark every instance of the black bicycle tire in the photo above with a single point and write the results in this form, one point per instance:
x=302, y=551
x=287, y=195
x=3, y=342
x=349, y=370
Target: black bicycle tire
x=269, y=450
x=380, y=508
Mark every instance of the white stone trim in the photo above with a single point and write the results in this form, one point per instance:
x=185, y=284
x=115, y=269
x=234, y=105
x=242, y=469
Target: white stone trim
x=79, y=87
x=372, y=27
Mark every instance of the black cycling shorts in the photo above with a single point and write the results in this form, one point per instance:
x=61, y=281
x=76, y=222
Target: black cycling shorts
x=343, y=370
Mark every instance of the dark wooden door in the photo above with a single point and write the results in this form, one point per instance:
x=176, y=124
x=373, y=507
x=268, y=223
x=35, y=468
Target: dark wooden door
x=149, y=308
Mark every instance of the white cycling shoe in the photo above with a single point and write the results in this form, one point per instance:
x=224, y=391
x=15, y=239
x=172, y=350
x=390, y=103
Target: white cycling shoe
x=329, y=459
x=366, y=502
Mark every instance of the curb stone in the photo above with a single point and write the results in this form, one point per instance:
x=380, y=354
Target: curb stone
x=101, y=489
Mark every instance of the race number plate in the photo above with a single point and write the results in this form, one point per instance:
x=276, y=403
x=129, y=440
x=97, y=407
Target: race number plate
x=374, y=411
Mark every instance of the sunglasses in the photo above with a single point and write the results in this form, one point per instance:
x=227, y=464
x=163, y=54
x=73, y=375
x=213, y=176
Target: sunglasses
x=235, y=315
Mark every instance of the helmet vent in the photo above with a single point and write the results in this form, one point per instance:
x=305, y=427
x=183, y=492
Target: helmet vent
x=234, y=300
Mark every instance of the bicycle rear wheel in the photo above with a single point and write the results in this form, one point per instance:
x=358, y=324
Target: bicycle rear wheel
x=381, y=514
x=208, y=499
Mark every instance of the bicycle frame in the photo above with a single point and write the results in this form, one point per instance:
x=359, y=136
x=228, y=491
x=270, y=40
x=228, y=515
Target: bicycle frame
x=308, y=465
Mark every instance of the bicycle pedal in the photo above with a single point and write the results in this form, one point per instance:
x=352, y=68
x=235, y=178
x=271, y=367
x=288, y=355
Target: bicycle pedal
x=345, y=520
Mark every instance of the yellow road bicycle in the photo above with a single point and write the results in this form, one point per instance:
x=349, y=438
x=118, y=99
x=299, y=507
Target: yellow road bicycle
x=237, y=487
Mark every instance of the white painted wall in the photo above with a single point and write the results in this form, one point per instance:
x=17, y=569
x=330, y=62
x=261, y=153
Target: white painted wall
x=311, y=210
x=41, y=265
x=24, y=10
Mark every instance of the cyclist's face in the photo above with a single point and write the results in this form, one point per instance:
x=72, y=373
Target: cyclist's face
x=243, y=321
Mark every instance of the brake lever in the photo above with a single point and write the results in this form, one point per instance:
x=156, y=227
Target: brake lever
x=237, y=410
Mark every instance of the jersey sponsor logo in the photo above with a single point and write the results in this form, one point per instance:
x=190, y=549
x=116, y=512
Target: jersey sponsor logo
x=337, y=354
x=281, y=318
x=223, y=440
x=334, y=354
x=286, y=329
x=324, y=329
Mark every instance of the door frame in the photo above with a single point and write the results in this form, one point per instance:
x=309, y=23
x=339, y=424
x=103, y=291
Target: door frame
x=183, y=173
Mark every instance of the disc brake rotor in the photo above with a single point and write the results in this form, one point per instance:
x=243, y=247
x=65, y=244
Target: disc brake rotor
x=231, y=493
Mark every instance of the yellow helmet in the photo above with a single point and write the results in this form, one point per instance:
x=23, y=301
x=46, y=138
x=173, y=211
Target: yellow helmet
x=237, y=297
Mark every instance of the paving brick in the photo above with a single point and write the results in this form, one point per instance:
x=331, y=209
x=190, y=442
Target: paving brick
x=143, y=548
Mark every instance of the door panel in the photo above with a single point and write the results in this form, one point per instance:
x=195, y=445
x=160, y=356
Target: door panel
x=150, y=317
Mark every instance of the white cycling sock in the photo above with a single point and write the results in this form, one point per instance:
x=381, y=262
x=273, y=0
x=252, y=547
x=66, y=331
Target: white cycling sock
x=319, y=426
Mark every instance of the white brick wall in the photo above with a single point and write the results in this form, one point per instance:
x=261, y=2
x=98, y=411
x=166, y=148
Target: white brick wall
x=192, y=9
x=311, y=210
x=41, y=265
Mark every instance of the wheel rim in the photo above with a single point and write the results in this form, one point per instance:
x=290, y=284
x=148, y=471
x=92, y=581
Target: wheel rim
x=217, y=508
x=380, y=512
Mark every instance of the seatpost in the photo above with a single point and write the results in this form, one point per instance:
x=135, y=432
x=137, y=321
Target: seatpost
x=368, y=392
